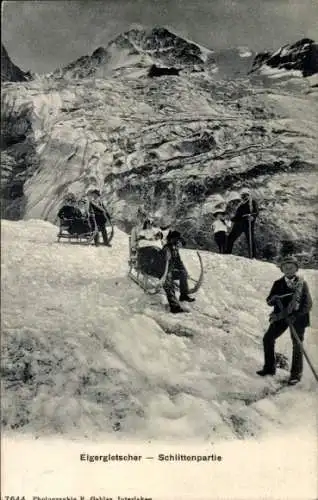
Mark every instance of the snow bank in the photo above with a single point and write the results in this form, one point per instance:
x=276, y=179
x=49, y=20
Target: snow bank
x=279, y=72
x=86, y=352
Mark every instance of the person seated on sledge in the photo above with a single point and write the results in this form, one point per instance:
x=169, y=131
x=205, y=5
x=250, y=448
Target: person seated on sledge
x=149, y=245
x=87, y=224
x=83, y=207
x=176, y=271
x=149, y=235
x=140, y=219
x=69, y=213
x=98, y=210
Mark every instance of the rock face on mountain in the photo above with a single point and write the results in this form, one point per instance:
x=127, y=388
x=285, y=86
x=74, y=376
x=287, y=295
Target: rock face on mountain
x=9, y=71
x=139, y=49
x=301, y=56
x=174, y=144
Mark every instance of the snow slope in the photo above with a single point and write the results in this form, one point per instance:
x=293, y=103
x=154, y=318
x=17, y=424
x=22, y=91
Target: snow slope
x=87, y=353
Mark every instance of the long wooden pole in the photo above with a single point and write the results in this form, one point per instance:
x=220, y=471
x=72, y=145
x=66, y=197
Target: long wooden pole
x=250, y=237
x=297, y=339
x=250, y=227
x=294, y=334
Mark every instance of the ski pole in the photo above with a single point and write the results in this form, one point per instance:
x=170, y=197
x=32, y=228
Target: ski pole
x=294, y=334
x=250, y=225
x=250, y=237
x=300, y=344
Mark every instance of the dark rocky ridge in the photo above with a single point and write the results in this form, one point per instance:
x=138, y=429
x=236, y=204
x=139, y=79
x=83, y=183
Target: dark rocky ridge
x=301, y=56
x=9, y=71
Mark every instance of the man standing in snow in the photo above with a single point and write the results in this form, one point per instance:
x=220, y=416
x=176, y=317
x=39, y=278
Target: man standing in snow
x=291, y=292
x=244, y=222
x=176, y=270
x=98, y=210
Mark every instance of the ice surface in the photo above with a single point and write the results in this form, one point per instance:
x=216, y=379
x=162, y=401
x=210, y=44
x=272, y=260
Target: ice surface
x=86, y=352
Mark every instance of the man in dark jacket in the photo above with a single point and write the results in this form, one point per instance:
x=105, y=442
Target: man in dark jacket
x=97, y=209
x=292, y=302
x=244, y=222
x=176, y=271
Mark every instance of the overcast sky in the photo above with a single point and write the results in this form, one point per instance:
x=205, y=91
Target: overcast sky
x=41, y=35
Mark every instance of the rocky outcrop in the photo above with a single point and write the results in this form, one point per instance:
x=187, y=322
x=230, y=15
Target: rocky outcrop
x=18, y=157
x=301, y=56
x=9, y=71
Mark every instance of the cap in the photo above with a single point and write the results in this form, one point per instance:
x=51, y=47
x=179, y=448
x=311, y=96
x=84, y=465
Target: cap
x=94, y=191
x=245, y=191
x=288, y=260
x=70, y=197
x=218, y=211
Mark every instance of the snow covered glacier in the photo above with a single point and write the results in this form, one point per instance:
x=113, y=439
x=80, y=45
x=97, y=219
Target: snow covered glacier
x=87, y=353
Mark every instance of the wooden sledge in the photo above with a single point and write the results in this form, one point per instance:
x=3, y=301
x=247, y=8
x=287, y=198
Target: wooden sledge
x=85, y=237
x=152, y=284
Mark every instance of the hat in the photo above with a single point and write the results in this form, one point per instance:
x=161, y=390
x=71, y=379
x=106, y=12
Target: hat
x=173, y=235
x=245, y=191
x=70, y=197
x=290, y=259
x=218, y=211
x=94, y=191
x=234, y=196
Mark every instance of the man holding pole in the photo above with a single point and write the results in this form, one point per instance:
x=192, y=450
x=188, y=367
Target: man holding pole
x=244, y=222
x=292, y=302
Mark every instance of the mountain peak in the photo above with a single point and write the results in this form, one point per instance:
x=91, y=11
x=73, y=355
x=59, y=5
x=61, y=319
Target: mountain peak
x=155, y=39
x=139, y=49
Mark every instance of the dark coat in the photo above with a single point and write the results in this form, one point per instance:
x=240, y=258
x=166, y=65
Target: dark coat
x=69, y=212
x=175, y=262
x=244, y=209
x=280, y=287
x=100, y=212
